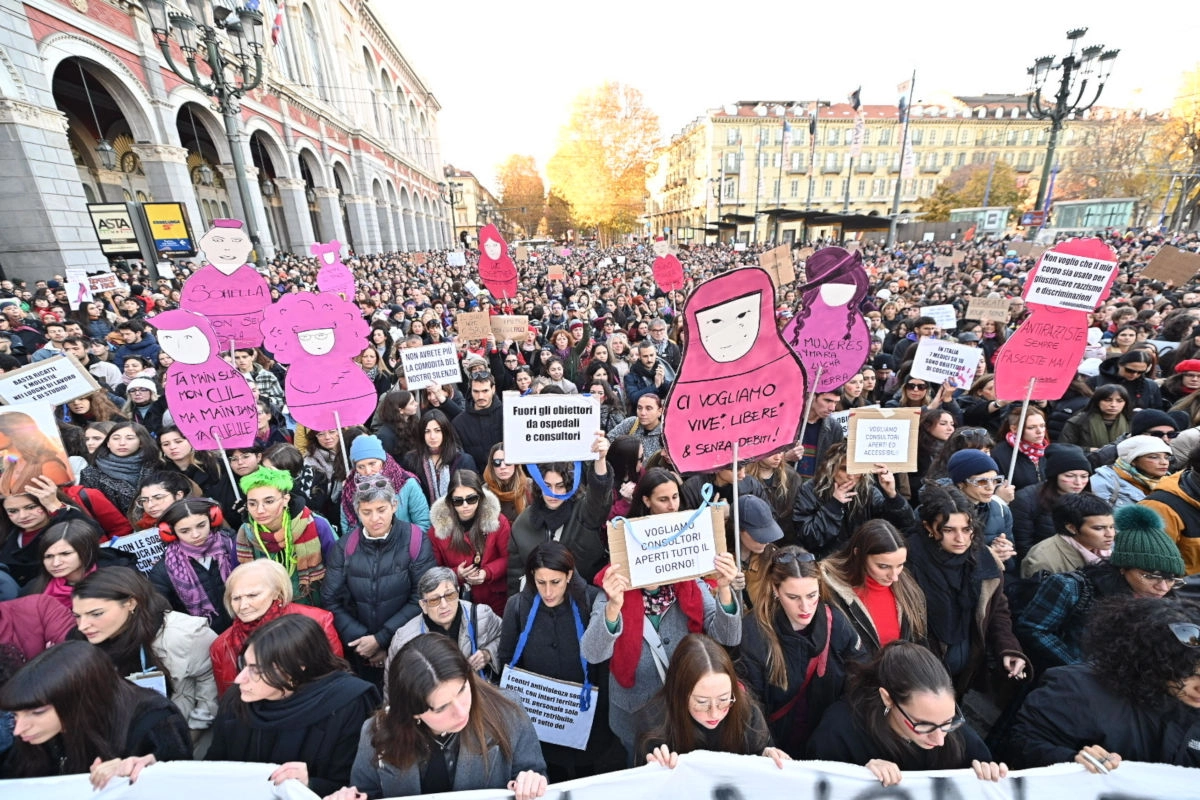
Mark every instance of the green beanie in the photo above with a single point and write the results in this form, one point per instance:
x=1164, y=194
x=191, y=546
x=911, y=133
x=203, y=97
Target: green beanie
x=1142, y=543
x=266, y=476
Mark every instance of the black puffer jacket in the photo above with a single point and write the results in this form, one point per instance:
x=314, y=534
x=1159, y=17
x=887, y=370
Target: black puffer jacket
x=374, y=589
x=823, y=527
x=1072, y=708
x=479, y=430
x=1144, y=393
x=1031, y=522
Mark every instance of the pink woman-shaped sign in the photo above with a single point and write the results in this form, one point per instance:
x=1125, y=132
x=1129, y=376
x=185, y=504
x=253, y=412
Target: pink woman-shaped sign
x=1069, y=281
x=668, y=271
x=829, y=333
x=496, y=268
x=318, y=335
x=210, y=401
x=228, y=291
x=738, y=382
x=333, y=276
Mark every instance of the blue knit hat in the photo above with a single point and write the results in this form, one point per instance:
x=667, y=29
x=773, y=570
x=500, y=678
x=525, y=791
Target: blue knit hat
x=367, y=447
x=966, y=463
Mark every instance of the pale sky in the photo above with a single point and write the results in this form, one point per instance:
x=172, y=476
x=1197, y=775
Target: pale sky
x=506, y=73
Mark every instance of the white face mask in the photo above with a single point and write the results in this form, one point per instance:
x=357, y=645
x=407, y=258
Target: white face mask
x=837, y=294
x=728, y=331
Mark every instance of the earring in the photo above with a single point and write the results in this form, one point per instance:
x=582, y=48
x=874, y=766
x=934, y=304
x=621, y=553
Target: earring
x=886, y=710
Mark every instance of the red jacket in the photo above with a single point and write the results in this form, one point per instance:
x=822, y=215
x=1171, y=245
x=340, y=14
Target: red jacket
x=224, y=651
x=494, y=591
x=100, y=508
x=33, y=623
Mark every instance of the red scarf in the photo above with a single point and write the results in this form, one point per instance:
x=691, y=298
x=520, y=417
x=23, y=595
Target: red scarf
x=60, y=590
x=1033, y=452
x=627, y=650
x=240, y=631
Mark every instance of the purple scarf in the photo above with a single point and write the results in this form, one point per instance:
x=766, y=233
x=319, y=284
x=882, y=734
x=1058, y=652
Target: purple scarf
x=178, y=557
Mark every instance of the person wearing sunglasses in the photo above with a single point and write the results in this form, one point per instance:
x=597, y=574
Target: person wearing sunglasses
x=974, y=473
x=899, y=715
x=470, y=536
x=1135, y=372
x=1135, y=696
x=795, y=647
x=372, y=575
x=1142, y=461
x=1144, y=562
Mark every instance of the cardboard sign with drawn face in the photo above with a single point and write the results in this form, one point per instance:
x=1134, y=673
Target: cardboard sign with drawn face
x=496, y=268
x=829, y=332
x=738, y=381
x=228, y=291
x=334, y=276
x=668, y=271
x=211, y=402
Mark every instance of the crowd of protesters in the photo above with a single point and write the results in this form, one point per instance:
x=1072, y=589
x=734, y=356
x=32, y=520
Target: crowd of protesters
x=344, y=602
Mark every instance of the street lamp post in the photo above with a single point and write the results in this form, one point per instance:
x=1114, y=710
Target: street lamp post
x=717, y=185
x=233, y=70
x=449, y=194
x=1075, y=73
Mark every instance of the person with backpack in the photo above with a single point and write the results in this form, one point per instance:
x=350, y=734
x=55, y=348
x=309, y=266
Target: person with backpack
x=372, y=576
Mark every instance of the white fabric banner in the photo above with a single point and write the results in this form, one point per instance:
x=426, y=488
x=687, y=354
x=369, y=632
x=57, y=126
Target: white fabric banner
x=699, y=776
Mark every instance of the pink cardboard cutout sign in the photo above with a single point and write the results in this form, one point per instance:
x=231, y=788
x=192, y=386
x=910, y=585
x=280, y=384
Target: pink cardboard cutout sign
x=829, y=332
x=318, y=335
x=738, y=380
x=334, y=276
x=496, y=268
x=228, y=291
x=1049, y=344
x=668, y=272
x=211, y=402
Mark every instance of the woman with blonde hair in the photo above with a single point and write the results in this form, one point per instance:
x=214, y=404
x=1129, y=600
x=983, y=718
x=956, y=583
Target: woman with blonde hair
x=795, y=647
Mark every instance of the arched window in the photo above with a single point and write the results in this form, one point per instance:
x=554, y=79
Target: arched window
x=372, y=99
x=319, y=83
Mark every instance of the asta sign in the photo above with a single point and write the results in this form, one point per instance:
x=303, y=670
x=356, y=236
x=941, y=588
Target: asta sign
x=114, y=229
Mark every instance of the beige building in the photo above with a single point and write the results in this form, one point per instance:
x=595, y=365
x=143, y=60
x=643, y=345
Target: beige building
x=731, y=166
x=473, y=207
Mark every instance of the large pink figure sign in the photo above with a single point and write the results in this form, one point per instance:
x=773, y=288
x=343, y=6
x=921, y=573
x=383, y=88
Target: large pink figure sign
x=496, y=268
x=333, y=276
x=1069, y=281
x=738, y=381
x=318, y=335
x=668, y=271
x=211, y=403
x=829, y=333
x=228, y=291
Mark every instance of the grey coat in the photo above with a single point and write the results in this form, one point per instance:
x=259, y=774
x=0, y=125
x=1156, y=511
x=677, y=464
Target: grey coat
x=487, y=635
x=473, y=771
x=597, y=646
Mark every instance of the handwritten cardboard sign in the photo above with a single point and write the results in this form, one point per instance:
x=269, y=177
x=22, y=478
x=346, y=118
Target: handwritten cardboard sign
x=555, y=272
x=510, y=327
x=1029, y=249
x=882, y=436
x=539, y=429
x=943, y=261
x=1074, y=282
x=738, y=381
x=553, y=706
x=664, y=548
x=943, y=315
x=804, y=253
x=940, y=361
x=103, y=282
x=53, y=381
x=778, y=264
x=433, y=364
x=521, y=253
x=473, y=324
x=1172, y=264
x=993, y=308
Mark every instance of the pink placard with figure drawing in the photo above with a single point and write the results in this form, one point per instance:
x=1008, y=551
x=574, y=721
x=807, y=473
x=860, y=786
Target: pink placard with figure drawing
x=496, y=268
x=333, y=276
x=227, y=290
x=829, y=332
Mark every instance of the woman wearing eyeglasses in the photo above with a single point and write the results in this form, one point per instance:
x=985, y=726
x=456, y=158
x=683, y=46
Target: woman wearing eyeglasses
x=969, y=623
x=702, y=705
x=372, y=576
x=1104, y=419
x=1142, y=461
x=1135, y=697
x=1144, y=562
x=794, y=647
x=296, y=704
x=975, y=474
x=920, y=393
x=470, y=535
x=900, y=715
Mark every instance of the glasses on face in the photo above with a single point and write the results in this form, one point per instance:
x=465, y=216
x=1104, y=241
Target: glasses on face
x=1158, y=578
x=449, y=598
x=1188, y=633
x=984, y=481
x=365, y=482
x=469, y=500
x=157, y=498
x=253, y=669
x=787, y=557
x=497, y=463
x=1135, y=372
x=916, y=386
x=720, y=703
x=930, y=727
x=1167, y=435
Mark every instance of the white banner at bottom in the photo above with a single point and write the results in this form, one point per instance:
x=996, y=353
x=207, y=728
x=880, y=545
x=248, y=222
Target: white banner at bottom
x=699, y=776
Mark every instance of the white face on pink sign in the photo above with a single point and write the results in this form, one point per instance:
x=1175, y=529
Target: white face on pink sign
x=728, y=331
x=227, y=249
x=188, y=346
x=492, y=248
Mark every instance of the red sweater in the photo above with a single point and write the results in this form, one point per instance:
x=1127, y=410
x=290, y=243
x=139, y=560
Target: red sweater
x=881, y=605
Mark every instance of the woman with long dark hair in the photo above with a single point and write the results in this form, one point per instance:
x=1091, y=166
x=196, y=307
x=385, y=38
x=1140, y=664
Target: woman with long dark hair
x=508, y=482
x=198, y=558
x=70, y=552
x=119, y=465
x=1104, y=420
x=899, y=715
x=1028, y=449
x=201, y=467
x=296, y=705
x=25, y=519
x=936, y=427
x=117, y=610
x=437, y=455
x=71, y=709
x=442, y=729
x=470, y=535
x=794, y=647
x=702, y=705
x=868, y=582
x=1067, y=471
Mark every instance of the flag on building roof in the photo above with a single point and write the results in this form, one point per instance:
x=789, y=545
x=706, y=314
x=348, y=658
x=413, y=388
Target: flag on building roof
x=855, y=101
x=277, y=25
x=904, y=89
x=787, y=140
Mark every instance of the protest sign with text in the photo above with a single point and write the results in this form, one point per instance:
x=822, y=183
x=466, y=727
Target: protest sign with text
x=55, y=380
x=993, y=308
x=667, y=548
x=473, y=324
x=1074, y=282
x=940, y=361
x=431, y=364
x=147, y=545
x=943, y=315
x=545, y=428
x=553, y=706
x=510, y=327
x=885, y=436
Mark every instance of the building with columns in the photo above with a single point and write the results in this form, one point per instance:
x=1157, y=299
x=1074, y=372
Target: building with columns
x=474, y=207
x=340, y=141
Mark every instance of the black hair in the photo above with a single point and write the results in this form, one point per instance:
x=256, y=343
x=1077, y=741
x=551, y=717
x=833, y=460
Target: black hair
x=1072, y=509
x=1133, y=651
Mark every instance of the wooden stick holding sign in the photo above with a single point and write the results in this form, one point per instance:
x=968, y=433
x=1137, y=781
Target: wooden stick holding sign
x=1012, y=465
x=228, y=467
x=342, y=439
x=737, y=512
x=808, y=402
x=667, y=548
